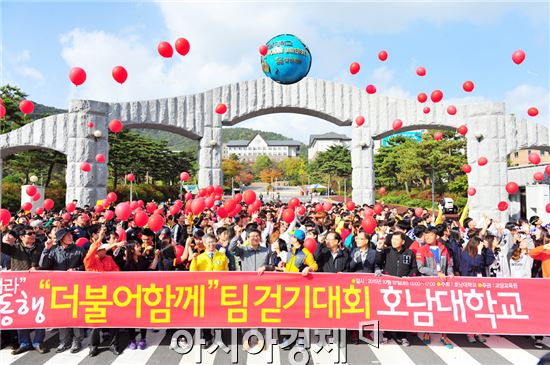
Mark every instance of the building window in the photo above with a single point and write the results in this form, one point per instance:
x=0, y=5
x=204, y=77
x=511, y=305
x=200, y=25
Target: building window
x=516, y=154
x=528, y=152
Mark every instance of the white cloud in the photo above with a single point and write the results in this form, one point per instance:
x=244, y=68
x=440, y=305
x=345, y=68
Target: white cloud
x=20, y=65
x=521, y=98
x=30, y=72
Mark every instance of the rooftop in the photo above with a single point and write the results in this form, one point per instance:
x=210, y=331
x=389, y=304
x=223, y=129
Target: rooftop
x=329, y=135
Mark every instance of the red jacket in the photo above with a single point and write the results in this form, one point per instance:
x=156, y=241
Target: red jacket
x=427, y=264
x=415, y=246
x=93, y=263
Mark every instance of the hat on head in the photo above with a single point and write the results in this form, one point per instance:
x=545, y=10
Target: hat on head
x=299, y=234
x=533, y=219
x=37, y=223
x=61, y=233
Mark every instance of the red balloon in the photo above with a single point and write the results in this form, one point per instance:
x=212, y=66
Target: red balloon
x=397, y=124
x=539, y=176
x=235, y=211
x=421, y=71
x=182, y=46
x=151, y=207
x=422, y=97
x=70, y=207
x=141, y=218
x=130, y=177
x=221, y=108
x=377, y=209
x=66, y=216
x=371, y=89
x=85, y=166
x=327, y=206
x=368, y=212
x=100, y=158
x=350, y=205
x=288, y=215
x=218, y=189
x=197, y=205
x=222, y=212
x=548, y=208
x=209, y=189
x=463, y=130
x=472, y=191
x=165, y=49
x=249, y=196
x=301, y=210
x=115, y=126
x=318, y=208
x=26, y=206
x=534, y=158
x=77, y=76
x=512, y=187
x=134, y=205
x=293, y=202
x=438, y=136
x=418, y=212
x=202, y=193
x=2, y=111
x=518, y=56
x=26, y=106
x=106, y=203
x=178, y=252
x=369, y=224
x=90, y=124
x=547, y=169
x=112, y=197
x=48, y=204
x=109, y=215
x=360, y=120
x=98, y=208
x=188, y=196
x=533, y=112
x=382, y=55
x=159, y=211
x=5, y=216
x=121, y=233
x=39, y=210
x=436, y=96
x=354, y=68
x=155, y=222
x=30, y=190
x=426, y=109
x=184, y=176
x=120, y=74
x=451, y=110
x=482, y=161
x=310, y=244
x=123, y=211
x=263, y=49
x=229, y=205
x=468, y=86
x=209, y=202
x=383, y=191
x=502, y=206
x=36, y=196
x=466, y=168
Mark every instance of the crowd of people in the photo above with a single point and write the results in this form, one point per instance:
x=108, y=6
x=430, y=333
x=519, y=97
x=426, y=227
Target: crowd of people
x=403, y=245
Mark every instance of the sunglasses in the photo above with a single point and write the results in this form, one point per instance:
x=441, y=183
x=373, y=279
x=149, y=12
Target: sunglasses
x=30, y=234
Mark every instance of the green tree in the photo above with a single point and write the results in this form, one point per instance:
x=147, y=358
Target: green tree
x=262, y=163
x=293, y=169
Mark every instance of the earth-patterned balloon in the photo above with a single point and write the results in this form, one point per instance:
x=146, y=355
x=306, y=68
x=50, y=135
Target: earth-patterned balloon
x=287, y=60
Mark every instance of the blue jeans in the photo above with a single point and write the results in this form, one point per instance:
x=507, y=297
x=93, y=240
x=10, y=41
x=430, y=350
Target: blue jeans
x=25, y=337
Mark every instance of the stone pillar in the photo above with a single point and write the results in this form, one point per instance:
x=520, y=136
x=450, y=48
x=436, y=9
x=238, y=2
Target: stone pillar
x=83, y=146
x=489, y=180
x=210, y=153
x=362, y=163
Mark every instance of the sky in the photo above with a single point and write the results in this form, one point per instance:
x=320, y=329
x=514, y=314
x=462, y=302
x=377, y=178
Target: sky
x=454, y=41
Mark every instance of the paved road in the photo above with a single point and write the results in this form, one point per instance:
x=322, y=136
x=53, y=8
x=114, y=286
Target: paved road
x=498, y=350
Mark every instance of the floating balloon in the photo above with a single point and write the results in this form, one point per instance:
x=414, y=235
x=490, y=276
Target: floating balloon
x=36, y=196
x=422, y=97
x=548, y=208
x=165, y=49
x=182, y=46
x=85, y=166
x=100, y=158
x=377, y=209
x=26, y=206
x=120, y=74
x=371, y=89
x=539, y=176
x=502, y=206
x=141, y=218
x=426, y=109
x=130, y=177
x=418, y=212
x=369, y=224
x=90, y=125
x=318, y=208
x=112, y=197
x=155, y=222
x=293, y=202
x=221, y=108
x=451, y=110
x=468, y=86
x=368, y=212
x=547, y=169
x=462, y=130
x=436, y=96
x=466, y=168
x=310, y=244
x=188, y=196
x=350, y=205
x=26, y=106
x=397, y=124
x=534, y=158
x=327, y=206
x=134, y=205
x=2, y=111
x=209, y=190
x=421, y=71
x=115, y=126
x=360, y=120
x=48, y=204
x=184, y=176
x=472, y=191
x=222, y=212
x=39, y=210
x=66, y=216
x=5, y=216
x=123, y=211
x=198, y=205
x=249, y=196
x=354, y=68
x=512, y=187
x=77, y=76
x=518, y=56
x=70, y=207
x=533, y=112
x=301, y=210
x=288, y=215
x=30, y=190
x=438, y=136
x=383, y=191
x=382, y=55
x=209, y=202
x=482, y=161
x=159, y=211
x=230, y=204
x=263, y=49
x=238, y=197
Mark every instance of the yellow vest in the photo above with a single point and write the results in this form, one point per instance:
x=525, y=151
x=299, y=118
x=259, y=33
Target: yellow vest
x=203, y=262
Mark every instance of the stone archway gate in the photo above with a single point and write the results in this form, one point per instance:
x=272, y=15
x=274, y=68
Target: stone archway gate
x=492, y=133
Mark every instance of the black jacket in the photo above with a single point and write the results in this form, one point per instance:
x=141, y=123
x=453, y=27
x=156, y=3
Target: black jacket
x=408, y=241
x=61, y=259
x=22, y=258
x=396, y=263
x=327, y=263
x=358, y=265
